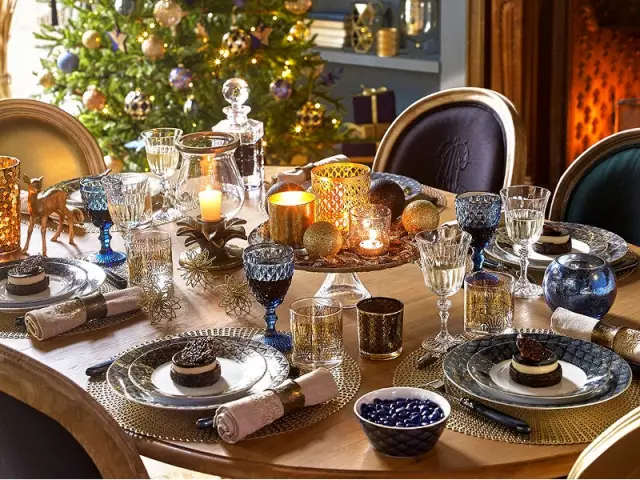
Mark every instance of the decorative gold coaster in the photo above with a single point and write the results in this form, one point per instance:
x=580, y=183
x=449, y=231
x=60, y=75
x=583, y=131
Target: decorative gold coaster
x=181, y=426
x=551, y=427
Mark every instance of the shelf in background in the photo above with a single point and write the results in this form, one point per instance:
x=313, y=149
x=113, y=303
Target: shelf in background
x=402, y=62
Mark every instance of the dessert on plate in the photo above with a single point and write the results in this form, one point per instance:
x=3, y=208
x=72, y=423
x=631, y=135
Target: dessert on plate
x=196, y=365
x=553, y=241
x=534, y=365
x=28, y=278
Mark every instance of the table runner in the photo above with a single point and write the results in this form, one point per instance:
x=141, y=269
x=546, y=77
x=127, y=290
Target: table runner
x=552, y=427
x=180, y=426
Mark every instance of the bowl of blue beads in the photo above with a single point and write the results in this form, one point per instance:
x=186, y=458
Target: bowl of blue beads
x=402, y=421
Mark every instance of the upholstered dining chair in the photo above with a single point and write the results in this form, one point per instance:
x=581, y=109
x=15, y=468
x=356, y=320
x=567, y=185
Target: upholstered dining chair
x=613, y=453
x=48, y=141
x=601, y=187
x=459, y=140
x=52, y=428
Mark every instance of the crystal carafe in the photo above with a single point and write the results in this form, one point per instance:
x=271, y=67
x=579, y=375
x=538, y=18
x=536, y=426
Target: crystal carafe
x=249, y=155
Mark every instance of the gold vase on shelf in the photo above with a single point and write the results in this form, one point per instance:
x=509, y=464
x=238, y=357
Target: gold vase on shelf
x=7, y=8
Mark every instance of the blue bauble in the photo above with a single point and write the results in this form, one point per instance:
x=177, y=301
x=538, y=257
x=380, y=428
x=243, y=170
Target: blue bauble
x=581, y=283
x=281, y=89
x=68, y=62
x=180, y=78
x=191, y=108
x=125, y=7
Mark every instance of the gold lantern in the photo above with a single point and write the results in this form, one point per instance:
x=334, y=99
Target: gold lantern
x=338, y=188
x=9, y=204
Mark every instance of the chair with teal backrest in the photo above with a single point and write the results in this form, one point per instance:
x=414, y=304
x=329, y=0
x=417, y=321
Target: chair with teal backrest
x=602, y=187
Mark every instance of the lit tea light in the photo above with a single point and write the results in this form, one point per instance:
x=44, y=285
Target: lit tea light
x=210, y=204
x=372, y=247
x=369, y=230
x=290, y=214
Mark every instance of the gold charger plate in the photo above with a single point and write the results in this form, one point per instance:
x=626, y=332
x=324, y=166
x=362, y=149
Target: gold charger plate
x=47, y=141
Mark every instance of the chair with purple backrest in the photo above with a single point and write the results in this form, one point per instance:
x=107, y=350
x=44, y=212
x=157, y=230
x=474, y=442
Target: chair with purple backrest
x=459, y=140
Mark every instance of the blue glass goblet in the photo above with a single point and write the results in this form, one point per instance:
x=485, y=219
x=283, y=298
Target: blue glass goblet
x=478, y=214
x=95, y=204
x=269, y=270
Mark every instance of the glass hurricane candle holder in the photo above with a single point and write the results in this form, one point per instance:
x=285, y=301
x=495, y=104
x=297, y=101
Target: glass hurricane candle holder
x=290, y=214
x=369, y=229
x=338, y=188
x=9, y=204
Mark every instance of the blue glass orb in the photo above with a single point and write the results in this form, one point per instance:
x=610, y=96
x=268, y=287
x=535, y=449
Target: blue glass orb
x=68, y=62
x=581, y=283
x=281, y=89
x=180, y=78
x=125, y=7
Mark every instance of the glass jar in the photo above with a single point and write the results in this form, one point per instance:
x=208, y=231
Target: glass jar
x=369, y=230
x=419, y=22
x=209, y=185
x=580, y=282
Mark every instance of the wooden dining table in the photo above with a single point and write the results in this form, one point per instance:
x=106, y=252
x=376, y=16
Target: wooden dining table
x=336, y=446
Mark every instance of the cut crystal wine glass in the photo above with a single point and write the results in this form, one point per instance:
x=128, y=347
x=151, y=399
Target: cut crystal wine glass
x=478, y=214
x=129, y=201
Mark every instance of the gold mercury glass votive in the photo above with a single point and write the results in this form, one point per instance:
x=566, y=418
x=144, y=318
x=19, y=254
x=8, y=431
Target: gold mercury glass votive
x=488, y=303
x=387, y=42
x=338, y=188
x=369, y=230
x=9, y=204
x=290, y=214
x=380, y=328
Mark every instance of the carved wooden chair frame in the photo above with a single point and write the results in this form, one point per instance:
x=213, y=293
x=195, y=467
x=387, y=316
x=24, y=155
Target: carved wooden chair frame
x=512, y=124
x=585, y=162
x=53, y=394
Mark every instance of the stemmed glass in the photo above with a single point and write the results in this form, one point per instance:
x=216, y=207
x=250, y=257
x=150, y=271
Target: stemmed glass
x=163, y=158
x=524, y=208
x=269, y=270
x=443, y=255
x=95, y=203
x=478, y=214
x=129, y=201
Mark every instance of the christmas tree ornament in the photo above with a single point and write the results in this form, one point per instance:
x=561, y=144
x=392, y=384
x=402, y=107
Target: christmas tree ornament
x=93, y=99
x=420, y=215
x=118, y=40
x=191, y=107
x=388, y=193
x=92, y=39
x=201, y=32
x=180, y=78
x=261, y=36
x=168, y=13
x=299, y=32
x=237, y=41
x=298, y=7
x=137, y=105
x=280, y=89
x=239, y=3
x=310, y=115
x=46, y=79
x=153, y=48
x=322, y=239
x=68, y=62
x=125, y=7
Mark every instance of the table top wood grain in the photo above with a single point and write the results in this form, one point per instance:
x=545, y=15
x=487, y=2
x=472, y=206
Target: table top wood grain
x=335, y=447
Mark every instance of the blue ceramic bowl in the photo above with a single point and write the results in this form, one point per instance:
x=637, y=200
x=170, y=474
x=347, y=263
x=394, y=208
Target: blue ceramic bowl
x=581, y=283
x=403, y=441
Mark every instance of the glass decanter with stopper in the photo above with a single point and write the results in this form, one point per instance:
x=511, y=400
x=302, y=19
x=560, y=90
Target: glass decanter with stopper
x=248, y=155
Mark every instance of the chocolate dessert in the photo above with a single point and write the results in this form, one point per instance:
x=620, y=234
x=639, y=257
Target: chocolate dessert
x=196, y=365
x=534, y=365
x=553, y=241
x=28, y=277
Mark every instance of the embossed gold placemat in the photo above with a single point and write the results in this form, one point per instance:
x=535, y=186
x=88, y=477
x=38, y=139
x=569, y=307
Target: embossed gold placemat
x=548, y=427
x=181, y=426
x=8, y=328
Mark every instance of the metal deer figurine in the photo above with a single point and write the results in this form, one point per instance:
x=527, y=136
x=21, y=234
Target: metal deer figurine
x=41, y=205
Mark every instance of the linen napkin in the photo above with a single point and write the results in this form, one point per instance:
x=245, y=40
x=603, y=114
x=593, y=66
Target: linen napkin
x=622, y=340
x=53, y=320
x=238, y=419
x=301, y=175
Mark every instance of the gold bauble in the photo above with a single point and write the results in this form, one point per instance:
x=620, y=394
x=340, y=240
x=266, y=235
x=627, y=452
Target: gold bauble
x=310, y=115
x=298, y=7
x=115, y=164
x=299, y=32
x=93, y=99
x=46, y=79
x=420, y=215
x=322, y=239
x=91, y=39
x=153, y=48
x=167, y=13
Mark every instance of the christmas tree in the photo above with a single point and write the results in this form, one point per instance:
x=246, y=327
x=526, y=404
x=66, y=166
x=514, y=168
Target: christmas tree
x=139, y=64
